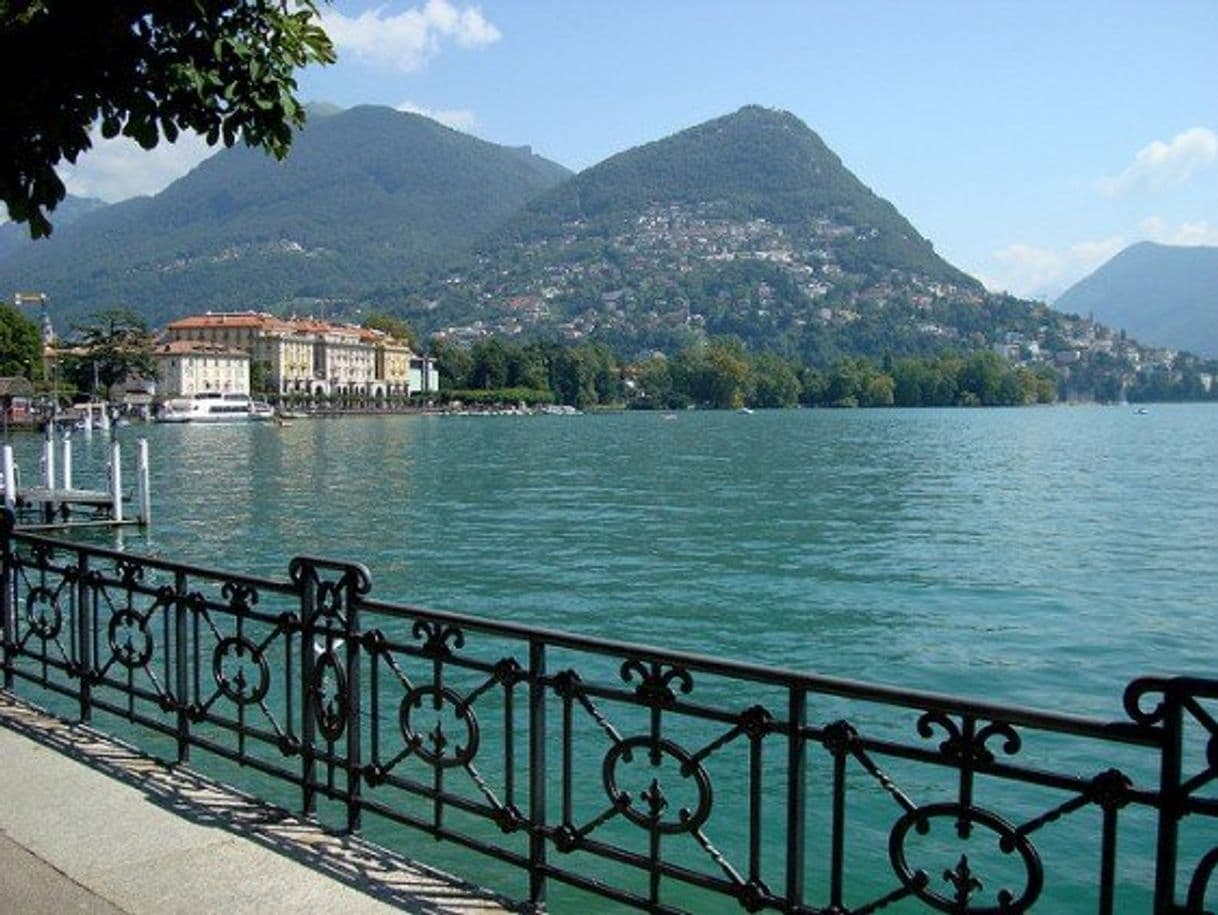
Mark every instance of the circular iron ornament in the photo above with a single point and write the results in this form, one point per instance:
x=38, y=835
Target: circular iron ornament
x=686, y=820
x=1199, y=885
x=1008, y=842
x=432, y=746
x=330, y=712
x=126, y=650
x=42, y=612
x=237, y=687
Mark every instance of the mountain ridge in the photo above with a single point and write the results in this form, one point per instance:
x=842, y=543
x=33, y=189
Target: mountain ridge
x=747, y=224
x=367, y=194
x=1165, y=295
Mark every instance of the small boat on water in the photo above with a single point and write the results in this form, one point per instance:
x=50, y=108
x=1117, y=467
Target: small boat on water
x=213, y=407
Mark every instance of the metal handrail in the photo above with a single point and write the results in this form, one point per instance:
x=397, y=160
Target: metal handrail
x=612, y=763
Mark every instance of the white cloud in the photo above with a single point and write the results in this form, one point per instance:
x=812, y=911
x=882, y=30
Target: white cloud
x=1160, y=163
x=406, y=41
x=1027, y=270
x=116, y=169
x=456, y=118
x=1187, y=233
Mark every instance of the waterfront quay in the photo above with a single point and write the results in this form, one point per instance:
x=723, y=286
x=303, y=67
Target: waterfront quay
x=580, y=774
x=90, y=825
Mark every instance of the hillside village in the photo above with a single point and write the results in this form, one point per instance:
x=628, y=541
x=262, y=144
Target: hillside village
x=550, y=286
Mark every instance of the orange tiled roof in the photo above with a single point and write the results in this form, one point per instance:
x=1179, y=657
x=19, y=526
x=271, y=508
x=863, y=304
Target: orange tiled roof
x=270, y=324
x=222, y=319
x=198, y=348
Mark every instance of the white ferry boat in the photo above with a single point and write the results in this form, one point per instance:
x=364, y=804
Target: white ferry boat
x=212, y=407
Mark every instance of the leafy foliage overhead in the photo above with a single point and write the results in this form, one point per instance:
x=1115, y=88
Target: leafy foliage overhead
x=145, y=69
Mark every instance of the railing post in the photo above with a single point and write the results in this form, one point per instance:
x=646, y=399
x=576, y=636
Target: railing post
x=797, y=751
x=537, y=773
x=181, y=673
x=7, y=603
x=84, y=635
x=1169, y=802
x=308, y=765
x=354, y=731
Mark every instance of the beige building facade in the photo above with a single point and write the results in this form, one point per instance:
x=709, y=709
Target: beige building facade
x=189, y=367
x=305, y=356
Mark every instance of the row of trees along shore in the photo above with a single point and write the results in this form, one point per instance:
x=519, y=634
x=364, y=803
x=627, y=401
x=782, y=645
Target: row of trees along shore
x=722, y=374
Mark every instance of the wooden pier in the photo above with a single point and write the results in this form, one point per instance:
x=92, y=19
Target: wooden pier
x=55, y=502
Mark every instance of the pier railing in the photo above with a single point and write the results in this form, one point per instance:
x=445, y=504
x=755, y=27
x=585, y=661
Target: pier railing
x=662, y=780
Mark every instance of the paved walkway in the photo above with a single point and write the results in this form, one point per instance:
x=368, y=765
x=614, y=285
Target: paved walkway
x=88, y=825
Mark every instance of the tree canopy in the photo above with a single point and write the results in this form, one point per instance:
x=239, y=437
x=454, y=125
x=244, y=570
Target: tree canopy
x=145, y=69
x=111, y=347
x=20, y=343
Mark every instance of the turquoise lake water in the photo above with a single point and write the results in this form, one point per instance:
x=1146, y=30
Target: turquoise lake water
x=1038, y=556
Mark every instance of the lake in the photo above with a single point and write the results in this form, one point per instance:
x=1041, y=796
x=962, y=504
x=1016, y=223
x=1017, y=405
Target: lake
x=1038, y=556
x=1023, y=555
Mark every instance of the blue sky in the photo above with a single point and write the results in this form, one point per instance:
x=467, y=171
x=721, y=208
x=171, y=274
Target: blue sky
x=1028, y=140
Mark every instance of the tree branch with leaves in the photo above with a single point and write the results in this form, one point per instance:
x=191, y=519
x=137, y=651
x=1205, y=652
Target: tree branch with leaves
x=144, y=69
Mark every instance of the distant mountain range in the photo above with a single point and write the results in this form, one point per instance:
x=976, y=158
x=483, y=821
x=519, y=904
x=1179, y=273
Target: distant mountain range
x=1163, y=295
x=746, y=225
x=366, y=196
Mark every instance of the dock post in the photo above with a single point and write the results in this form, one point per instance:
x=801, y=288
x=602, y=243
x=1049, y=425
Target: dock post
x=105, y=417
x=65, y=461
x=89, y=421
x=10, y=479
x=145, y=493
x=116, y=481
x=48, y=459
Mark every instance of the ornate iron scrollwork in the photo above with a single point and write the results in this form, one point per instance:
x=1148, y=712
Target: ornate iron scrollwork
x=1137, y=691
x=329, y=698
x=232, y=657
x=656, y=680
x=436, y=747
x=963, y=879
x=1199, y=885
x=967, y=749
x=130, y=641
x=688, y=818
x=130, y=572
x=241, y=597
x=439, y=640
x=331, y=594
x=43, y=613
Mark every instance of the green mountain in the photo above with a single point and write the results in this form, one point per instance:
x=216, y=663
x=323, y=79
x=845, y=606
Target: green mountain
x=748, y=225
x=14, y=237
x=365, y=197
x=1164, y=295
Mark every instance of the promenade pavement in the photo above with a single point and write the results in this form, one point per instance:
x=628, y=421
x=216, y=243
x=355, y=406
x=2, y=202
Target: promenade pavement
x=88, y=825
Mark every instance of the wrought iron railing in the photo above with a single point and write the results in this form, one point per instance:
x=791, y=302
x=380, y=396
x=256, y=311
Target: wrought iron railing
x=662, y=780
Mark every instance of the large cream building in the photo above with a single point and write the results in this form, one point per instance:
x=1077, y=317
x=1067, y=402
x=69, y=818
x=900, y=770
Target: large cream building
x=189, y=367
x=315, y=357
